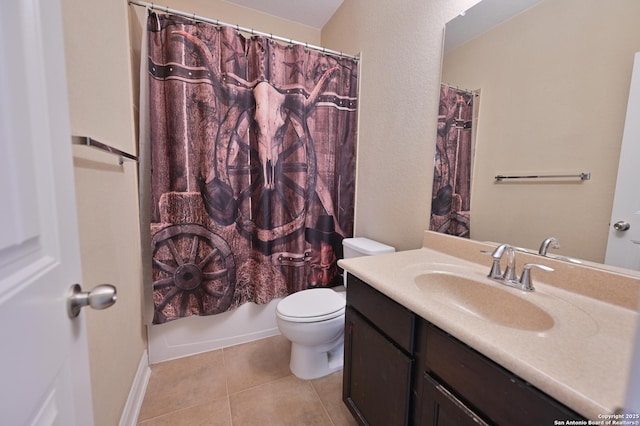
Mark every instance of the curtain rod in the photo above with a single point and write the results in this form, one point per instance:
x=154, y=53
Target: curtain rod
x=251, y=31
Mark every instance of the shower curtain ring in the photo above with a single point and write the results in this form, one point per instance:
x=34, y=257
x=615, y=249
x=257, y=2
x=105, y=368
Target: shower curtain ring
x=157, y=20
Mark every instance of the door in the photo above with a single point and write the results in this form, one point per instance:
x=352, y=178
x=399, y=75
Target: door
x=623, y=246
x=43, y=356
x=377, y=374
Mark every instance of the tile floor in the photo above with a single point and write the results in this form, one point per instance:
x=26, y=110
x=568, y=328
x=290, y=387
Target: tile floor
x=248, y=384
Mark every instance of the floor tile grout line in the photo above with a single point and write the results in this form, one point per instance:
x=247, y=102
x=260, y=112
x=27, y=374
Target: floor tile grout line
x=261, y=384
x=226, y=385
x=324, y=407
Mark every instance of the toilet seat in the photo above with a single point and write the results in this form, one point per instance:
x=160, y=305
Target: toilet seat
x=313, y=305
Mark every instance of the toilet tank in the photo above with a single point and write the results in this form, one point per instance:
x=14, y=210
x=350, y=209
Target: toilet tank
x=355, y=247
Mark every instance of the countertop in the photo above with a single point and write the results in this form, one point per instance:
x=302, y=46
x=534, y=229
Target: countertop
x=582, y=360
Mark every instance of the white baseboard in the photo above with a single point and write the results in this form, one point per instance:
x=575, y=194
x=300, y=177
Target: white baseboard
x=136, y=394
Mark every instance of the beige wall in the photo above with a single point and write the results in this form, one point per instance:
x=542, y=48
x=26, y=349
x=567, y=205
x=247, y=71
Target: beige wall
x=400, y=43
x=554, y=84
x=100, y=95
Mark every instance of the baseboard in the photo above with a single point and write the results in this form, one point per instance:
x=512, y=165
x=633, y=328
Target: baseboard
x=136, y=394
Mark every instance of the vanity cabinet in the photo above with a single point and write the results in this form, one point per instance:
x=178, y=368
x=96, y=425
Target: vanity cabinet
x=399, y=369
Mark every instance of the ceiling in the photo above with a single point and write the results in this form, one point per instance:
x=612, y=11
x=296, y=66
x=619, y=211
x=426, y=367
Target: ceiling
x=312, y=13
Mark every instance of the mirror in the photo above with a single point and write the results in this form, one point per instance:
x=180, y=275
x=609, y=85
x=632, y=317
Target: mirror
x=553, y=77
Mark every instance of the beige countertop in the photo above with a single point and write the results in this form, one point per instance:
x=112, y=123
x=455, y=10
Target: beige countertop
x=580, y=356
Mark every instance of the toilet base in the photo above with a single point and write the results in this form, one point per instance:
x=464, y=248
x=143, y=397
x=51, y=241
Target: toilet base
x=308, y=363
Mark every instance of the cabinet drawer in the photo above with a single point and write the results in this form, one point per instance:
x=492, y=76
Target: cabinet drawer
x=487, y=387
x=393, y=319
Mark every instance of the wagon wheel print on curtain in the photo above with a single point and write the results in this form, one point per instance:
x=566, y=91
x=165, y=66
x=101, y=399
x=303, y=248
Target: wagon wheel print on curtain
x=264, y=151
x=193, y=272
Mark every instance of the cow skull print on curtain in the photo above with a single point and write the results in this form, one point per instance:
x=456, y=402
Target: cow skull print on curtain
x=253, y=167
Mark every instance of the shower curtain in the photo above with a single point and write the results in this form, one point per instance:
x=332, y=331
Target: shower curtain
x=451, y=199
x=253, y=166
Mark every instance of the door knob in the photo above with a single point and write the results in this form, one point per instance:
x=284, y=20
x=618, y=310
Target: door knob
x=621, y=225
x=101, y=297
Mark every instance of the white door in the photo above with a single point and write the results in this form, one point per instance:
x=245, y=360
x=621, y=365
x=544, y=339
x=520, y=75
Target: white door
x=44, y=377
x=623, y=246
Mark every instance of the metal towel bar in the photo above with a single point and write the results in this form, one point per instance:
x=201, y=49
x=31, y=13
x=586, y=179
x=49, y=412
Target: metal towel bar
x=87, y=141
x=582, y=176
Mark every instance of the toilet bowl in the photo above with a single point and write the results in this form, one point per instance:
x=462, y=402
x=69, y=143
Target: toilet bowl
x=313, y=320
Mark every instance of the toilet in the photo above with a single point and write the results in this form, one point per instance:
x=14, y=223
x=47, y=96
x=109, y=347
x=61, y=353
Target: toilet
x=313, y=319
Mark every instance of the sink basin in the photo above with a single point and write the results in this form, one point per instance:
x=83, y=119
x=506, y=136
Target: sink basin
x=490, y=303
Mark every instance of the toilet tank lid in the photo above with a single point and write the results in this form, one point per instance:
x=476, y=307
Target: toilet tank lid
x=367, y=246
x=311, y=303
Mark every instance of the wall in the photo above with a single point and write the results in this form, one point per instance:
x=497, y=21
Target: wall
x=100, y=95
x=399, y=92
x=555, y=83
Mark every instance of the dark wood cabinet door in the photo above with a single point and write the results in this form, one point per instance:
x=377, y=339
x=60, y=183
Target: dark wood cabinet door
x=441, y=408
x=495, y=392
x=377, y=375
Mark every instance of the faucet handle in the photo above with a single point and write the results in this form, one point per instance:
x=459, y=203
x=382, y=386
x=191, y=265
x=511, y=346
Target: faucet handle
x=496, y=269
x=525, y=280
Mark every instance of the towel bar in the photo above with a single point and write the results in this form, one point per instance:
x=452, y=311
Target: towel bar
x=87, y=141
x=582, y=176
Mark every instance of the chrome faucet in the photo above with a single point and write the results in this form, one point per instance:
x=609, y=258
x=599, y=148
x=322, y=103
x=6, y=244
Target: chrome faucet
x=549, y=242
x=509, y=277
